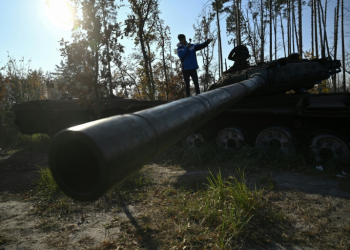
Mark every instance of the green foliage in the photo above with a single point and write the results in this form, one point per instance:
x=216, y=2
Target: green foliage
x=229, y=206
x=46, y=186
x=19, y=83
x=36, y=142
x=86, y=62
x=223, y=214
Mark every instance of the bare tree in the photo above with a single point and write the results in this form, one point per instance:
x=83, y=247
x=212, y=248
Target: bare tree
x=289, y=17
x=203, y=32
x=218, y=6
x=323, y=51
x=312, y=29
x=315, y=23
x=294, y=28
x=282, y=29
x=324, y=21
x=336, y=24
x=343, y=43
x=300, y=29
x=237, y=6
x=270, y=25
x=262, y=35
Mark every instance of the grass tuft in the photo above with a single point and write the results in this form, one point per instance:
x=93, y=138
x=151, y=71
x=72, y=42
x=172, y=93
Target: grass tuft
x=228, y=206
x=35, y=143
x=225, y=213
x=46, y=185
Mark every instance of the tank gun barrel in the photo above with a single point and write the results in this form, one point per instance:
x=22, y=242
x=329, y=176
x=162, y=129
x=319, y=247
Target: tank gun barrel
x=89, y=159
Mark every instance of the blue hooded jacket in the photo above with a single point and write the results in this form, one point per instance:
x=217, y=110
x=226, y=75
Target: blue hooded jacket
x=188, y=55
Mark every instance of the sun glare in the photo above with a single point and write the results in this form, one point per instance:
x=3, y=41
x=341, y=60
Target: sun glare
x=59, y=13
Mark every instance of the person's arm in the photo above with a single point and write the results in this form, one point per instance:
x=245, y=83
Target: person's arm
x=230, y=56
x=202, y=45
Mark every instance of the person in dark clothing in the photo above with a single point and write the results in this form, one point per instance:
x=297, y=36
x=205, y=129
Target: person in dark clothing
x=187, y=53
x=240, y=55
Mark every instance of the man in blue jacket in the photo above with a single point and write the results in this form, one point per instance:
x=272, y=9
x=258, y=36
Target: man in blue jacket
x=187, y=53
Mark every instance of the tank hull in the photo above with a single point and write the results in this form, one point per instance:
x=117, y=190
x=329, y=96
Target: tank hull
x=51, y=116
x=302, y=114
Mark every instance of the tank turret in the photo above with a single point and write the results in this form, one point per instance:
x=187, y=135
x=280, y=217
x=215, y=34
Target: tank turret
x=283, y=74
x=89, y=159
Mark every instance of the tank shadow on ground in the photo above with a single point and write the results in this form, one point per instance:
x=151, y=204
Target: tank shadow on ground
x=312, y=185
x=286, y=181
x=18, y=171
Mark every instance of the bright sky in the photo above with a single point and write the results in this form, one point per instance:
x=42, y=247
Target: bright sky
x=31, y=31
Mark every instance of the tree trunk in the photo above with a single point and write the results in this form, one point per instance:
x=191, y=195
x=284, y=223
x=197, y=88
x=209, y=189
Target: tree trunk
x=235, y=9
x=300, y=29
x=289, y=27
x=295, y=31
x=250, y=39
x=238, y=22
x=323, y=51
x=284, y=44
x=151, y=71
x=219, y=39
x=275, y=33
x=163, y=60
x=145, y=58
x=110, y=72
x=97, y=96
x=312, y=29
x=108, y=55
x=262, y=32
x=343, y=44
x=165, y=69
x=324, y=21
x=207, y=71
x=126, y=94
x=293, y=26
x=315, y=23
x=336, y=25
x=270, y=24
x=336, y=22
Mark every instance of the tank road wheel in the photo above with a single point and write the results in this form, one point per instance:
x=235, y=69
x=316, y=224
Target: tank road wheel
x=194, y=140
x=230, y=138
x=275, y=138
x=324, y=147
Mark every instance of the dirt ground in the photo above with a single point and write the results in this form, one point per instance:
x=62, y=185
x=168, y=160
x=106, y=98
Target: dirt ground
x=318, y=207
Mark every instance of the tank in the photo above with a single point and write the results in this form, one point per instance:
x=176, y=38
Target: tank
x=89, y=159
x=51, y=116
x=284, y=115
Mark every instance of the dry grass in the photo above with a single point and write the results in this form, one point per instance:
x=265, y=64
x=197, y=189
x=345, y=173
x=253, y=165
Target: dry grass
x=217, y=210
x=320, y=222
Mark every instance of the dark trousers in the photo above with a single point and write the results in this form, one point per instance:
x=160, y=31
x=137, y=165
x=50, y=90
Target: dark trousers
x=193, y=74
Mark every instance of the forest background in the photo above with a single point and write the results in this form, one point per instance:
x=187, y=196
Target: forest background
x=128, y=48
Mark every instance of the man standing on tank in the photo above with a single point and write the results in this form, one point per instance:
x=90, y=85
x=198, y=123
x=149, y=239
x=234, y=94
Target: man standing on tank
x=187, y=53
